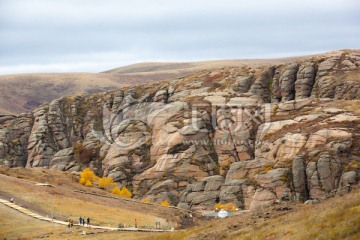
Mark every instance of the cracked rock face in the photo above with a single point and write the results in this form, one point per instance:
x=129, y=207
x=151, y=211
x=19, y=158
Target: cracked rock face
x=287, y=82
x=249, y=136
x=305, y=80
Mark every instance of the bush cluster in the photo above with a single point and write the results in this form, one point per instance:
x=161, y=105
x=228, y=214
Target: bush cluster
x=146, y=200
x=230, y=207
x=123, y=192
x=88, y=178
x=165, y=204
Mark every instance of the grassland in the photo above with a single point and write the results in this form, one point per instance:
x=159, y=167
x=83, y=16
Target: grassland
x=72, y=205
x=338, y=218
x=335, y=218
x=19, y=226
x=66, y=203
x=349, y=105
x=22, y=92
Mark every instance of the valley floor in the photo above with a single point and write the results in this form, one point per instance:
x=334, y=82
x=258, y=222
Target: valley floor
x=335, y=218
x=65, y=199
x=15, y=225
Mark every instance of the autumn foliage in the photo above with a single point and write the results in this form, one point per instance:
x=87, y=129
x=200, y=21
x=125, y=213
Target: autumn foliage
x=165, y=204
x=88, y=177
x=230, y=207
x=124, y=192
x=106, y=183
x=146, y=200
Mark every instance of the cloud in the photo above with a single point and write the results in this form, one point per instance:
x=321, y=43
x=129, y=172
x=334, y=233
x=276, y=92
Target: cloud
x=93, y=35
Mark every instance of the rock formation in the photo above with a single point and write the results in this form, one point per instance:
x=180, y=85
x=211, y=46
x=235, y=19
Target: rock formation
x=251, y=136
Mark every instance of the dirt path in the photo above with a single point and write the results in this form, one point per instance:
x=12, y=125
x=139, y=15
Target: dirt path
x=16, y=225
x=49, y=219
x=25, y=204
x=171, y=214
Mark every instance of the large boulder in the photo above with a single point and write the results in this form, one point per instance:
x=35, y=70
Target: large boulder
x=63, y=160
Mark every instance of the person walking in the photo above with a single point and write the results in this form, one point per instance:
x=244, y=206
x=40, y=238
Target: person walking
x=88, y=221
x=69, y=223
x=80, y=220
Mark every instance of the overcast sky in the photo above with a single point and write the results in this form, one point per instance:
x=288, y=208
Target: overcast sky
x=96, y=35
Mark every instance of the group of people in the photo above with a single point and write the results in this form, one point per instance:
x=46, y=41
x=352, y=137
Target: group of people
x=81, y=222
x=70, y=223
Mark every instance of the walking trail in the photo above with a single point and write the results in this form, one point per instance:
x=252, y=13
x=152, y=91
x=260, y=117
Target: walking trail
x=37, y=216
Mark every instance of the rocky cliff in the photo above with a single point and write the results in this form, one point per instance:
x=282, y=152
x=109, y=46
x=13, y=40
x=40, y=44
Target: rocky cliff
x=247, y=135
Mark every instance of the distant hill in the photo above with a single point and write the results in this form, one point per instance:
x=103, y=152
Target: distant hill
x=22, y=92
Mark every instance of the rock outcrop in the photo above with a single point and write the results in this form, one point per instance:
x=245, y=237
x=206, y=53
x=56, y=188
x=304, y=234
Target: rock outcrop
x=250, y=136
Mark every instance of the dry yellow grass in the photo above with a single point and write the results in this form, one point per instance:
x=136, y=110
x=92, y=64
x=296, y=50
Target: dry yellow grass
x=339, y=218
x=15, y=225
x=73, y=206
x=176, y=68
x=21, y=92
x=70, y=182
x=348, y=105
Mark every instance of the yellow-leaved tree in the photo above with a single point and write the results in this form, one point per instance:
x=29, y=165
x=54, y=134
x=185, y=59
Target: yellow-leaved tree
x=146, y=200
x=165, y=204
x=124, y=192
x=106, y=183
x=230, y=207
x=116, y=191
x=87, y=177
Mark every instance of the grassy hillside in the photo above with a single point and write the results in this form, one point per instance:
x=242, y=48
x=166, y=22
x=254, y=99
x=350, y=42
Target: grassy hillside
x=176, y=68
x=21, y=92
x=65, y=203
x=335, y=218
x=20, y=226
x=338, y=218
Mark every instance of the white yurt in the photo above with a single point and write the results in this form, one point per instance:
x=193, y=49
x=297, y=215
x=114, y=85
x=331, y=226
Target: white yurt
x=223, y=214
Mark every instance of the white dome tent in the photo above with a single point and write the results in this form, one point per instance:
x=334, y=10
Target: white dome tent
x=223, y=214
